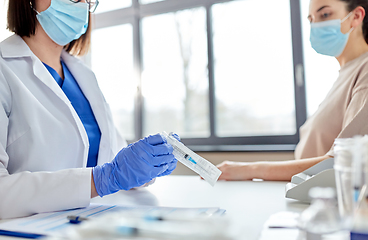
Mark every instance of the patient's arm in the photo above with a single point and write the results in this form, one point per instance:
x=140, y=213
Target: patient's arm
x=275, y=171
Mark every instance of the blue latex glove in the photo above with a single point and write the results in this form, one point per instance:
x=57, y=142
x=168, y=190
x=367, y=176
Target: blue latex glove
x=135, y=165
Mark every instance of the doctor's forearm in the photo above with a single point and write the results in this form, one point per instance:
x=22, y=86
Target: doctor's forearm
x=93, y=187
x=283, y=171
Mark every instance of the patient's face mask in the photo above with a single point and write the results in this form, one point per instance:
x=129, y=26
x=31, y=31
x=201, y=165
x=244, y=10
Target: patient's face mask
x=327, y=39
x=64, y=21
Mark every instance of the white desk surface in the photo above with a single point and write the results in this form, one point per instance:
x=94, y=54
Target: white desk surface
x=248, y=204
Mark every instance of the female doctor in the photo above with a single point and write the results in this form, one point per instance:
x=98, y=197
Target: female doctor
x=58, y=145
x=339, y=28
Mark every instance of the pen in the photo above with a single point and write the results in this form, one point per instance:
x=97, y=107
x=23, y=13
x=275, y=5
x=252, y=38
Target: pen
x=76, y=219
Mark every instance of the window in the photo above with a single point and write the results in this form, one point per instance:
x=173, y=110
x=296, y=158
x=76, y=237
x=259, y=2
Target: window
x=218, y=72
x=253, y=69
x=108, y=5
x=175, y=76
x=149, y=1
x=112, y=62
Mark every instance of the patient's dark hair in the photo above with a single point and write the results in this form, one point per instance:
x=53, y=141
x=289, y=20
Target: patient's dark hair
x=22, y=21
x=351, y=5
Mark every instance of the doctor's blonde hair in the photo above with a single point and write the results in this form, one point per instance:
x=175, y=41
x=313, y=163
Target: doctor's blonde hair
x=22, y=21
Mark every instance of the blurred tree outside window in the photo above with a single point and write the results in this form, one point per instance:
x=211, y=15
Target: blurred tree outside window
x=175, y=75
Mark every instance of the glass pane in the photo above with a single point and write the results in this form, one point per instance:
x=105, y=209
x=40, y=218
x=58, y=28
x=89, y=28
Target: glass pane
x=112, y=62
x=3, y=13
x=174, y=79
x=253, y=68
x=320, y=71
x=108, y=5
x=149, y=1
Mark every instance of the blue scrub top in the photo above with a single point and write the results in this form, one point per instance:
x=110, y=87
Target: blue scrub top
x=81, y=105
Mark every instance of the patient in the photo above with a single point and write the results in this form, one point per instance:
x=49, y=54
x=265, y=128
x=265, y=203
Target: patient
x=339, y=28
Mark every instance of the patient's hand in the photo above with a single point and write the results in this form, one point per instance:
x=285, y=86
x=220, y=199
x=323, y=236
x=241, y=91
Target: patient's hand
x=237, y=171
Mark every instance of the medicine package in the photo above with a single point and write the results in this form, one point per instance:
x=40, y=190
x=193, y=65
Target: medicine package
x=204, y=168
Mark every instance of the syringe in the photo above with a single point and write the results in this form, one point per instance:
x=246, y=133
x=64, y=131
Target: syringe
x=204, y=168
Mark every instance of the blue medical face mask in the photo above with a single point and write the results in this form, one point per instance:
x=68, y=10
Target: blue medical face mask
x=64, y=21
x=327, y=39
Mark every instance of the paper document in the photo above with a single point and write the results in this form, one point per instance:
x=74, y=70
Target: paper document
x=281, y=225
x=55, y=223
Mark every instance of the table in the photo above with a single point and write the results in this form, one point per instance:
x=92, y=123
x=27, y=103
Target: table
x=248, y=204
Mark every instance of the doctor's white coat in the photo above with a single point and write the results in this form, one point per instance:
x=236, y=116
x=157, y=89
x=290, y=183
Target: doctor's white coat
x=43, y=144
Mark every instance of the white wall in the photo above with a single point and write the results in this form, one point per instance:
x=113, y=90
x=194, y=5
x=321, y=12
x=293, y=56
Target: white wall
x=3, y=9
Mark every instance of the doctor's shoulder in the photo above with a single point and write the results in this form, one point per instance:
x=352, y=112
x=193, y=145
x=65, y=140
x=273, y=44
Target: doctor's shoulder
x=3, y=62
x=5, y=92
x=361, y=72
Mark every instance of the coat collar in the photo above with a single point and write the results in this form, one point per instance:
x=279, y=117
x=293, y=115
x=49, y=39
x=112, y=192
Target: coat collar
x=15, y=47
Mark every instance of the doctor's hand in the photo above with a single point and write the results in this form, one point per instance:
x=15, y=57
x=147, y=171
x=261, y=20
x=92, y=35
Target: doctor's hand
x=135, y=165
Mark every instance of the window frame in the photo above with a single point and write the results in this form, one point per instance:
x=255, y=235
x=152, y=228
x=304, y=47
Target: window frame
x=136, y=12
